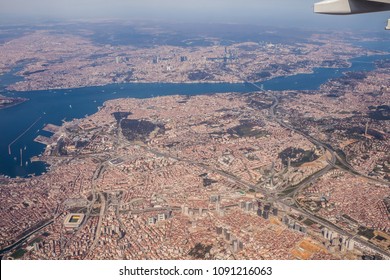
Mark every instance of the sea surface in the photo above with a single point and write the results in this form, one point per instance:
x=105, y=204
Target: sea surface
x=55, y=106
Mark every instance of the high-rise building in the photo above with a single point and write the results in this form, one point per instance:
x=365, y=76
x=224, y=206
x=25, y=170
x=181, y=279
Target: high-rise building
x=248, y=206
x=185, y=210
x=266, y=214
x=325, y=232
x=240, y=245
x=235, y=246
x=151, y=220
x=366, y=130
x=161, y=217
x=225, y=231
x=350, y=244
x=342, y=247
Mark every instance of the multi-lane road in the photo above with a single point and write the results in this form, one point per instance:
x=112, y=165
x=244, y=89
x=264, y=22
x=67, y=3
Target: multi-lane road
x=312, y=178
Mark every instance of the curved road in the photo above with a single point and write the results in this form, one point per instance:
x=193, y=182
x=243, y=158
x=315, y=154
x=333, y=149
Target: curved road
x=315, y=176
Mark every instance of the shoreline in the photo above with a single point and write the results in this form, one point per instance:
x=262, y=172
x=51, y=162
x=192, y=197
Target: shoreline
x=17, y=101
x=118, y=85
x=309, y=72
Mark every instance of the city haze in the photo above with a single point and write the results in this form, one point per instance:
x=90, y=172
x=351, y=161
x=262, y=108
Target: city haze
x=188, y=130
x=280, y=13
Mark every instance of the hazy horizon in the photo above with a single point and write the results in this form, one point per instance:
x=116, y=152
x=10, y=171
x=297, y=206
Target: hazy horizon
x=279, y=13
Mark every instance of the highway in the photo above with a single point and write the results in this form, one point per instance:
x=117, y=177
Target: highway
x=315, y=176
x=298, y=209
x=332, y=159
x=24, y=238
x=98, y=172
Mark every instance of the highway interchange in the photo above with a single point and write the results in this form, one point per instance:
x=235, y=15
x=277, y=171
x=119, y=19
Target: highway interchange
x=288, y=200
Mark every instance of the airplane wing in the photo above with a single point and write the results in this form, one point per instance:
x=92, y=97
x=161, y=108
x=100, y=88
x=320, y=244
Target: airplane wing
x=344, y=7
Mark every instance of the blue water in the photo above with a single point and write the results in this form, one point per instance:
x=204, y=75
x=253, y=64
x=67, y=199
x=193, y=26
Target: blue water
x=54, y=106
x=320, y=75
x=10, y=78
x=382, y=45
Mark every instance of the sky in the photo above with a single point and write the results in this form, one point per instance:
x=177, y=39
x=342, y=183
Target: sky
x=296, y=13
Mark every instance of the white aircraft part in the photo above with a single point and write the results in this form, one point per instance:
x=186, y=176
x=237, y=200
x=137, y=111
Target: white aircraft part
x=333, y=7
x=388, y=25
x=343, y=7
